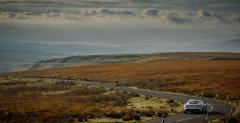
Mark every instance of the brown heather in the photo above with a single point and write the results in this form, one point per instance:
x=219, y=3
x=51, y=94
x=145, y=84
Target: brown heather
x=187, y=76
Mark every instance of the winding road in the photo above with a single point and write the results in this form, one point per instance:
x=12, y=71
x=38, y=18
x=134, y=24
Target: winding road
x=216, y=109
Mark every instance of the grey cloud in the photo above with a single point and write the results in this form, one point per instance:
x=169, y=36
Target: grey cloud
x=200, y=16
x=80, y=14
x=107, y=11
x=150, y=12
x=232, y=18
x=91, y=12
x=129, y=13
x=65, y=14
x=203, y=13
x=174, y=16
x=28, y=15
x=218, y=18
x=188, y=4
x=178, y=20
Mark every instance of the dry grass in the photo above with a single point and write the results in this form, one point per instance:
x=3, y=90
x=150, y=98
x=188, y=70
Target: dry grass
x=157, y=105
x=34, y=100
x=40, y=101
x=24, y=102
x=188, y=76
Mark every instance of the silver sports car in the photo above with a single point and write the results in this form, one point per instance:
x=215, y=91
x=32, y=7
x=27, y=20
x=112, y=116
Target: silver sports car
x=197, y=106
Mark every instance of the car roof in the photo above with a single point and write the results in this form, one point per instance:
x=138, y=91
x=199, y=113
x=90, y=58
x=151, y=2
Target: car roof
x=195, y=100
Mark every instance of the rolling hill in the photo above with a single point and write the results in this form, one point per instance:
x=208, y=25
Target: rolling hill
x=74, y=61
x=211, y=73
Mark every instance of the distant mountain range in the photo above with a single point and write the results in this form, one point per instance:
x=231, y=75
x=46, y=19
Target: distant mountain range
x=126, y=58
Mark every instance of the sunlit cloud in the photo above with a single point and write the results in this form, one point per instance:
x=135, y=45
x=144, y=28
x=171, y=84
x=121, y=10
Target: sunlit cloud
x=173, y=16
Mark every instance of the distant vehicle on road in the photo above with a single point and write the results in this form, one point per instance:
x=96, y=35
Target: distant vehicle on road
x=195, y=106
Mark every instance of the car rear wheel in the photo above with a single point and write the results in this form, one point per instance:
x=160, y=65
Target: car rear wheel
x=185, y=112
x=205, y=111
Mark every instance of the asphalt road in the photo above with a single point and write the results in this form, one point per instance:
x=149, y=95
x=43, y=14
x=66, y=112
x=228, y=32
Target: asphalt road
x=216, y=109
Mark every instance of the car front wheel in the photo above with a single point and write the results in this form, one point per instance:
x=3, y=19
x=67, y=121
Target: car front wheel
x=204, y=110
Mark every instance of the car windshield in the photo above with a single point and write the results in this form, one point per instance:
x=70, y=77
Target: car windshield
x=194, y=102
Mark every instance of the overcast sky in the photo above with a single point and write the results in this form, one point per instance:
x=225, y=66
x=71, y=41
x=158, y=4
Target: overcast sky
x=32, y=30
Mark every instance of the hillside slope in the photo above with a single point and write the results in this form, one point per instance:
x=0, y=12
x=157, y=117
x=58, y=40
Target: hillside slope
x=125, y=58
x=212, y=77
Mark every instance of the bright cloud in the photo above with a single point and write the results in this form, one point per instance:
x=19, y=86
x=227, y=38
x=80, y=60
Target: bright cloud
x=173, y=16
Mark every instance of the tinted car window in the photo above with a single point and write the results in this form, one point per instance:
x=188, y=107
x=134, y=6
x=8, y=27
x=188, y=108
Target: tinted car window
x=194, y=102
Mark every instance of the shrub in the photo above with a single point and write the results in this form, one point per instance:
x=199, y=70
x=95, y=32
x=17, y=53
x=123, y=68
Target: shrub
x=162, y=113
x=147, y=97
x=148, y=113
x=114, y=114
x=88, y=91
x=128, y=116
x=137, y=117
x=209, y=94
x=170, y=101
x=59, y=120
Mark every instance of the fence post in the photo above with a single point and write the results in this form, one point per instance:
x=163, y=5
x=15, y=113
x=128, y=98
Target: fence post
x=216, y=96
x=201, y=94
x=231, y=112
x=206, y=118
x=163, y=120
x=227, y=99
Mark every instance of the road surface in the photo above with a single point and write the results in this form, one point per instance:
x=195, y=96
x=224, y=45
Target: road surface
x=216, y=109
